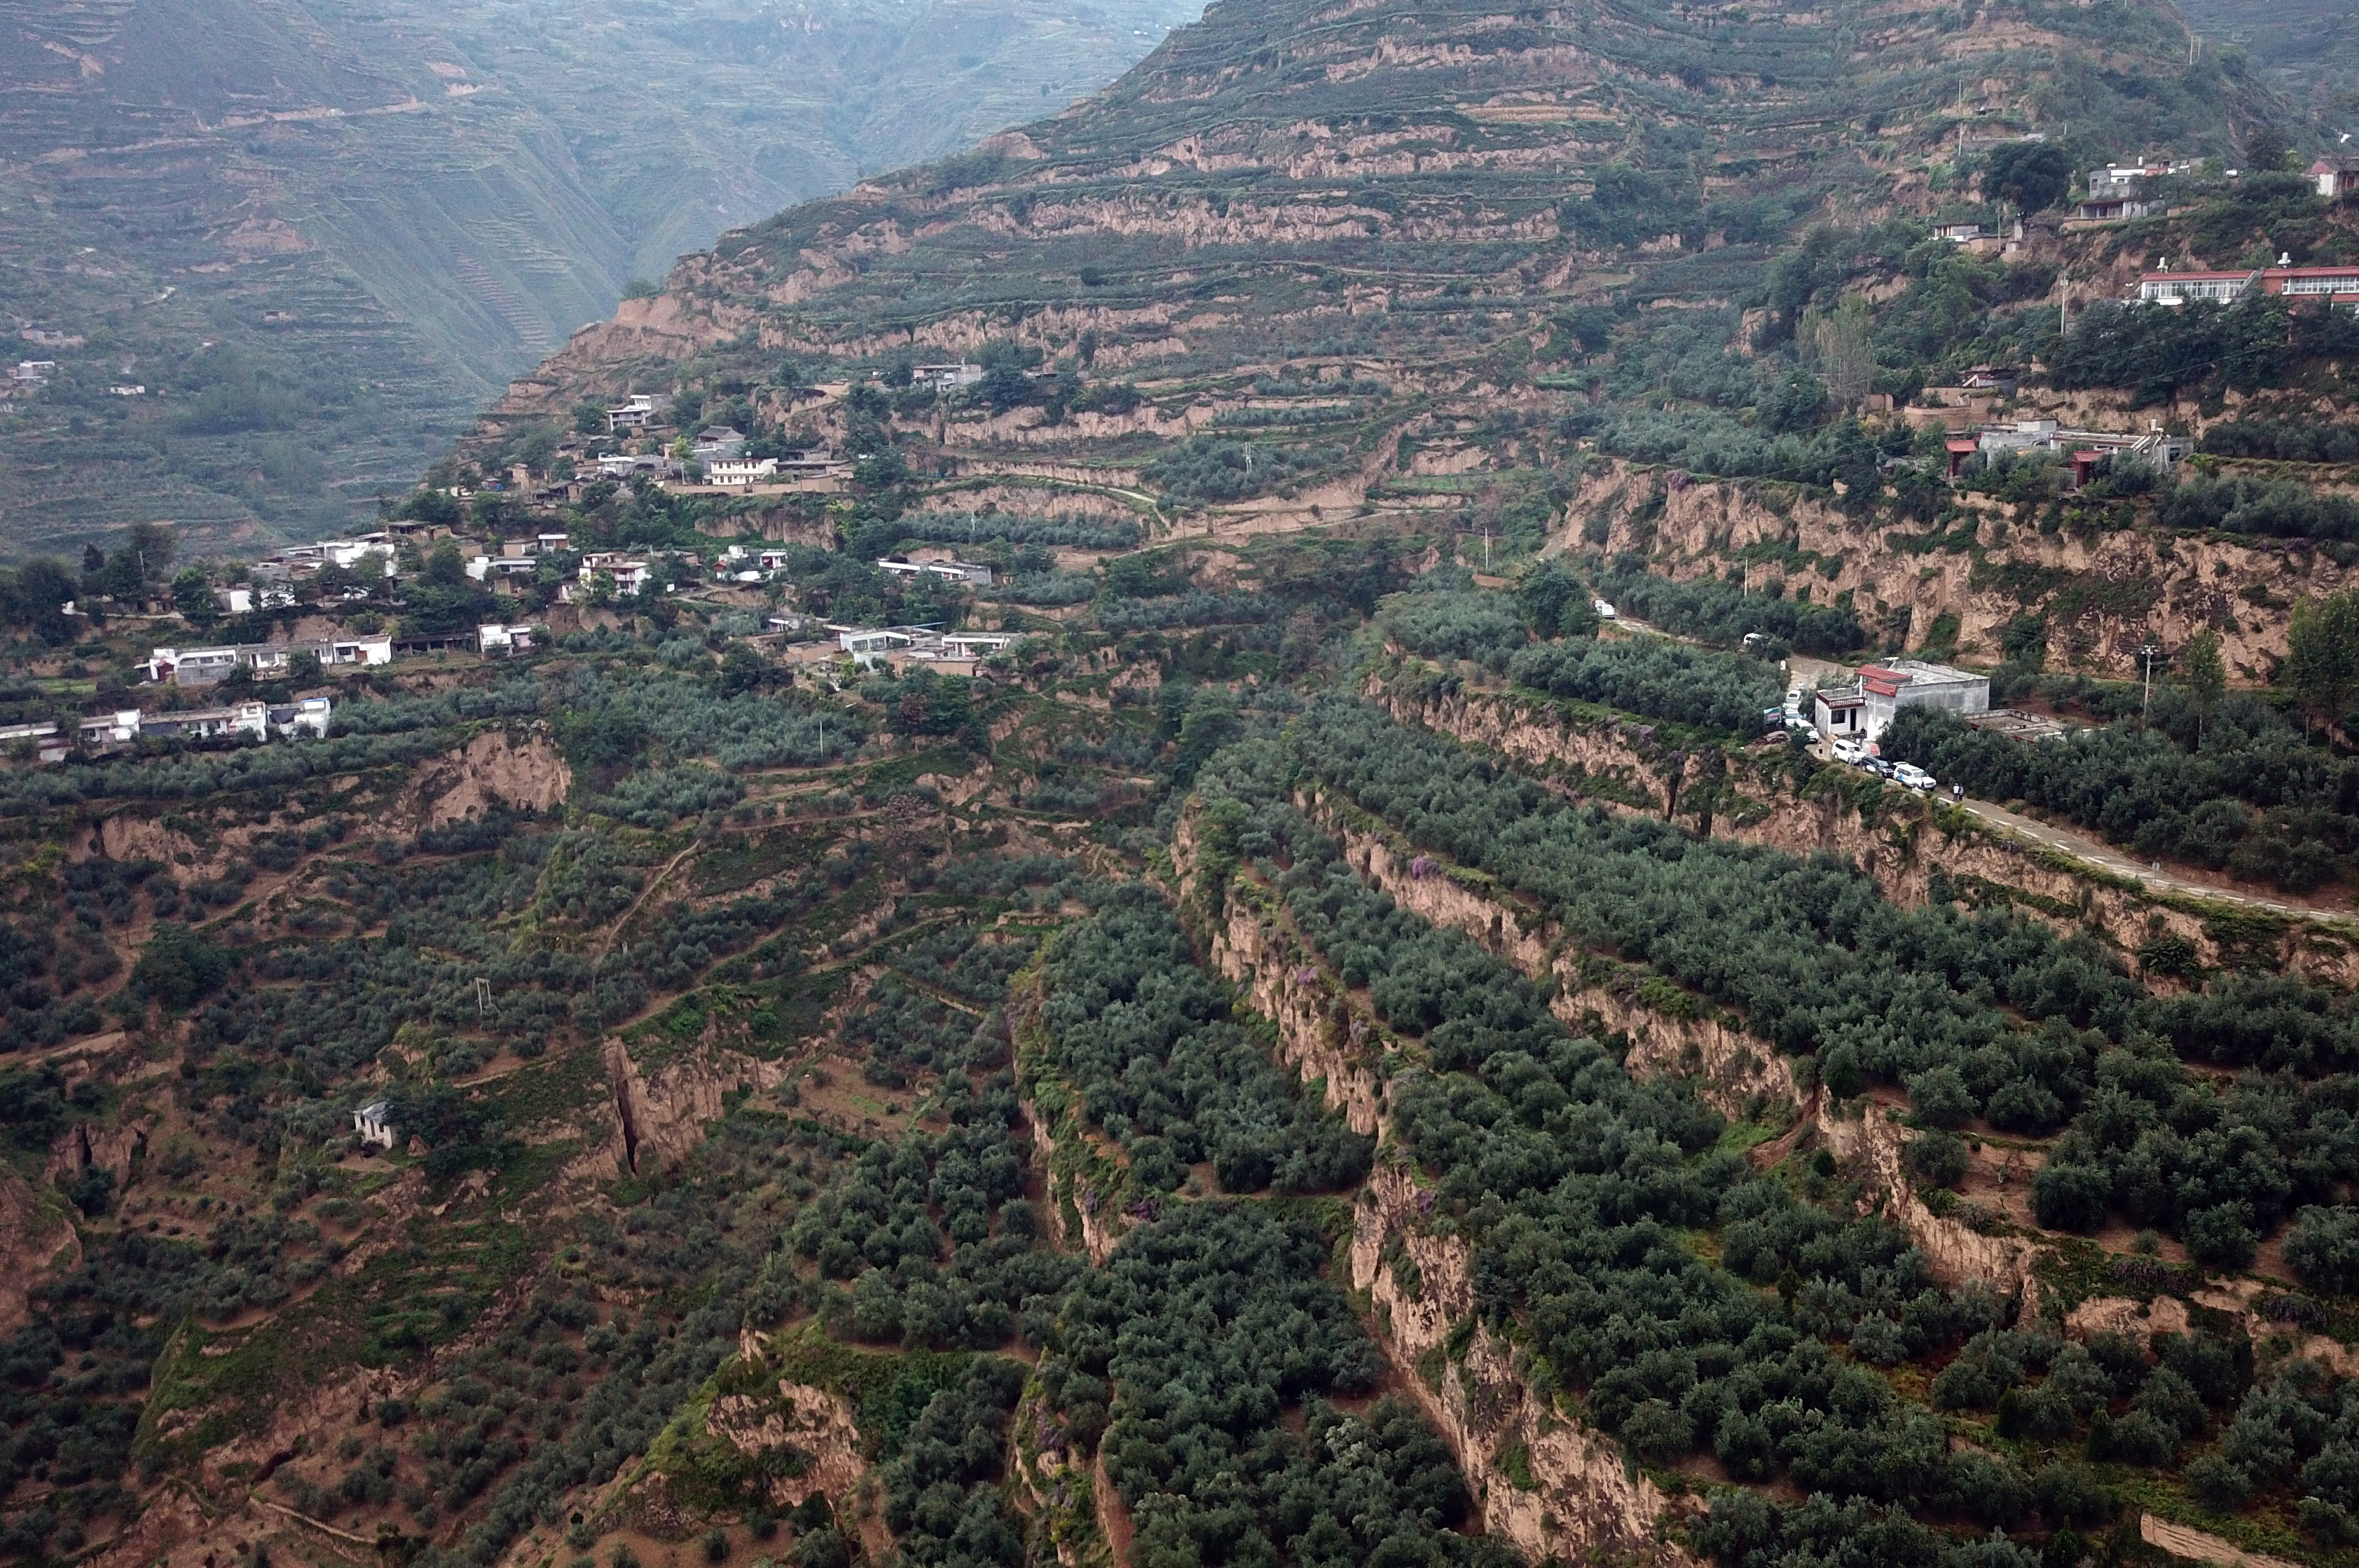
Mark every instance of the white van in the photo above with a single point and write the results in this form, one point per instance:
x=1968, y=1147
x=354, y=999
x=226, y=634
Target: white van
x=1605, y=611
x=1916, y=778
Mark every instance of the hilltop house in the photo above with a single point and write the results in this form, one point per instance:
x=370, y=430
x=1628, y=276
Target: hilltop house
x=2155, y=445
x=628, y=576
x=635, y=415
x=2336, y=177
x=950, y=570
x=740, y=469
x=2331, y=285
x=947, y=378
x=370, y=1126
x=495, y=637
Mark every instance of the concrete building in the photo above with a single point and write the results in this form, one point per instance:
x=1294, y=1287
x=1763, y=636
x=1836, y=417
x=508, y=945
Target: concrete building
x=867, y=645
x=950, y=570
x=370, y=1126
x=719, y=443
x=947, y=378
x=741, y=471
x=2086, y=447
x=498, y=638
x=260, y=721
x=1861, y=711
x=628, y=576
x=636, y=414
x=2116, y=209
x=2336, y=177
x=2329, y=285
x=206, y=666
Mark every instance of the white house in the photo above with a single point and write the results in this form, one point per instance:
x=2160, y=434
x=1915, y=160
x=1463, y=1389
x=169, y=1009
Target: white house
x=947, y=378
x=868, y=646
x=204, y=665
x=1863, y=710
x=740, y=469
x=370, y=1126
x=635, y=415
x=2178, y=287
x=974, y=645
x=2336, y=177
x=949, y=571
x=496, y=638
x=628, y=576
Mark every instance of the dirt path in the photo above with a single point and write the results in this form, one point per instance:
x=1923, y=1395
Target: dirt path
x=658, y=880
x=2082, y=847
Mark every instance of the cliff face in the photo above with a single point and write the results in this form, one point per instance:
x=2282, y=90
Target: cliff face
x=1737, y=1074
x=2103, y=595
x=1908, y=842
x=659, y=1114
x=1551, y=1486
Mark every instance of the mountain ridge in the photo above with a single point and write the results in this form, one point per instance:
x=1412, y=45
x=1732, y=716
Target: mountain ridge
x=1232, y=135
x=389, y=211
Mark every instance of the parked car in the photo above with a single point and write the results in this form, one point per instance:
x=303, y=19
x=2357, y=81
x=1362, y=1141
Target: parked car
x=1916, y=778
x=1605, y=611
x=1877, y=765
x=1849, y=750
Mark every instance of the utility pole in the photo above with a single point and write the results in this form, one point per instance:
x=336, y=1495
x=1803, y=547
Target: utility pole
x=2149, y=652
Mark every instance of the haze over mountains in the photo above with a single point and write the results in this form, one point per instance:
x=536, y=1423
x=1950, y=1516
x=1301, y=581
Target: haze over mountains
x=321, y=232
x=1037, y=914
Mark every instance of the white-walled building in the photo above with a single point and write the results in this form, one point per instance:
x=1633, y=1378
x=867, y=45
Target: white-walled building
x=1861, y=711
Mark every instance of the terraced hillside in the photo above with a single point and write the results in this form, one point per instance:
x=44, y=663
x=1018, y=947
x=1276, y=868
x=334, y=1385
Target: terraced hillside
x=321, y=234
x=1316, y=1068
x=1631, y=281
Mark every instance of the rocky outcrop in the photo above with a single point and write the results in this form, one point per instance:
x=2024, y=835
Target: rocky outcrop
x=111, y=1148
x=37, y=1244
x=524, y=773
x=1733, y=1073
x=1871, y=1146
x=817, y=1425
x=1076, y=1211
x=1318, y=1034
x=659, y=1116
x=1552, y=1488
x=2104, y=593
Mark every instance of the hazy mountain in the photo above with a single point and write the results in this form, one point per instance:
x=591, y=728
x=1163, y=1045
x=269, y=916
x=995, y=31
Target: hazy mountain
x=321, y=232
x=2311, y=46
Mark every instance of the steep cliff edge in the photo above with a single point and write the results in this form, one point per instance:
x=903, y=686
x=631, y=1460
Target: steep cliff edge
x=2101, y=594
x=1677, y=1037
x=1548, y=1485
x=1901, y=840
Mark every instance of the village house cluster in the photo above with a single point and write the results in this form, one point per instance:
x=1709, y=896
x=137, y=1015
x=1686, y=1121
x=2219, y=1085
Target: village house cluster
x=304, y=719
